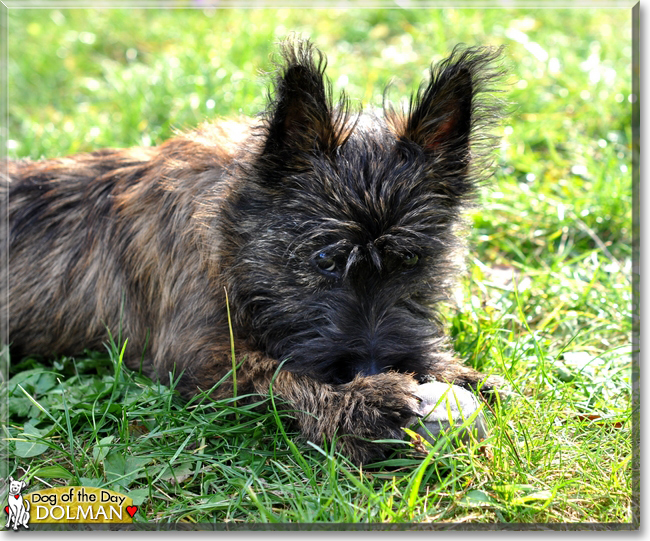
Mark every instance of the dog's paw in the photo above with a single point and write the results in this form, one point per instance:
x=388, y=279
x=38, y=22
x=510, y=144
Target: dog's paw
x=386, y=398
x=443, y=406
x=374, y=408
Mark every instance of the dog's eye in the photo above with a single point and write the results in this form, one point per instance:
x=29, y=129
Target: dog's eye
x=326, y=264
x=410, y=261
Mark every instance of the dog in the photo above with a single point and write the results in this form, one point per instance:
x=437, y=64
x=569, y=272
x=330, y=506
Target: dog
x=333, y=232
x=18, y=513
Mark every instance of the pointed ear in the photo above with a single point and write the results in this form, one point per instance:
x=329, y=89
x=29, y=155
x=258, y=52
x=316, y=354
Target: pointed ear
x=445, y=112
x=300, y=118
x=440, y=119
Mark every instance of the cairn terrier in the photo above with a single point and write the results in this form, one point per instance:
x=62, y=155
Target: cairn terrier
x=333, y=232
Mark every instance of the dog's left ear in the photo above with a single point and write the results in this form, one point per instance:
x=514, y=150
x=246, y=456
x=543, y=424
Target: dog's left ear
x=440, y=118
x=450, y=111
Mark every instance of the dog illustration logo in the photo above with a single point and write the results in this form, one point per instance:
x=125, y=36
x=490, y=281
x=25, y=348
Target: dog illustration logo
x=16, y=506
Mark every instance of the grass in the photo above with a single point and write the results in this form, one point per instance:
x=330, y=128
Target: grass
x=547, y=300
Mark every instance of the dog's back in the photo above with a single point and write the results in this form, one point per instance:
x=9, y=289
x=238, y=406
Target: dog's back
x=89, y=237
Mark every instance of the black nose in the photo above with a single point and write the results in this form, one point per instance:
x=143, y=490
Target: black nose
x=371, y=367
x=350, y=365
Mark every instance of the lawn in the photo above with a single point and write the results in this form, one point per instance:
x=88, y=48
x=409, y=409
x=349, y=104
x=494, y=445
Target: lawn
x=547, y=300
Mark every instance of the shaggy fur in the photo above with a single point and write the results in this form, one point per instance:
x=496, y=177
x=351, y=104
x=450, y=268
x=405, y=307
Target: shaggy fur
x=333, y=232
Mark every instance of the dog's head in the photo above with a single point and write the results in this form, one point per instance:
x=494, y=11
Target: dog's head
x=16, y=487
x=345, y=229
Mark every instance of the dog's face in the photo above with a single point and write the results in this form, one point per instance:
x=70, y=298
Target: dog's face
x=16, y=487
x=352, y=223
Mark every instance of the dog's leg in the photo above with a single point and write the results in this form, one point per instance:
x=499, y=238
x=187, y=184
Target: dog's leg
x=448, y=369
x=368, y=408
x=25, y=520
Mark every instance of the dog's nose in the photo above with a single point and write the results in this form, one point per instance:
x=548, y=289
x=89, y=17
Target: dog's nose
x=371, y=368
x=355, y=364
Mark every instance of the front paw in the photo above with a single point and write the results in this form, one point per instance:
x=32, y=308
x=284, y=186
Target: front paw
x=468, y=378
x=375, y=408
x=388, y=399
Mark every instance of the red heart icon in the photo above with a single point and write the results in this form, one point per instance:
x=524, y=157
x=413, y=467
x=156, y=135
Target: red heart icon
x=131, y=510
x=7, y=509
x=17, y=496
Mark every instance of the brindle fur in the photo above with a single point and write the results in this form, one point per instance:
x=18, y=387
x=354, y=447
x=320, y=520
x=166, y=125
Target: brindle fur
x=150, y=238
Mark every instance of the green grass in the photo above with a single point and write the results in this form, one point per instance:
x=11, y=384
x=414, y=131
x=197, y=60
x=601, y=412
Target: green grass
x=547, y=300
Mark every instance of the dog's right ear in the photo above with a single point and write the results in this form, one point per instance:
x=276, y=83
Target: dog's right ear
x=300, y=118
x=11, y=479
